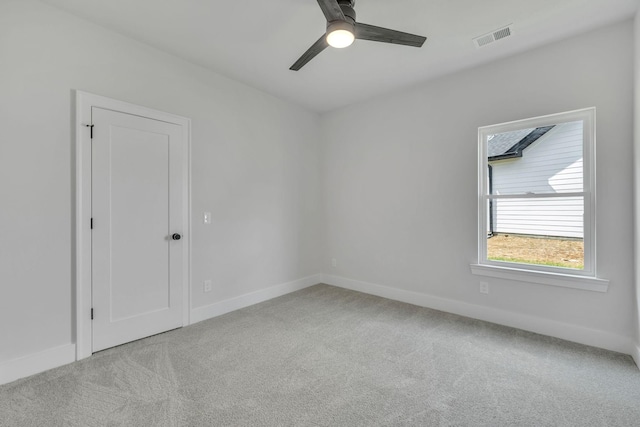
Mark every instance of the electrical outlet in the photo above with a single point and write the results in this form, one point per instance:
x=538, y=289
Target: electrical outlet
x=207, y=286
x=484, y=287
x=334, y=262
x=206, y=217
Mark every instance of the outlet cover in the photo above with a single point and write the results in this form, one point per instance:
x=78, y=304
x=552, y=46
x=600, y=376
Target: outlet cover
x=484, y=287
x=334, y=262
x=207, y=285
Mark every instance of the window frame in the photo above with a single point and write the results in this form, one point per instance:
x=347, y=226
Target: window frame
x=560, y=276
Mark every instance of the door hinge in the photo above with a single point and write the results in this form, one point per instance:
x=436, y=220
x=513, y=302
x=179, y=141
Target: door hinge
x=92, y=314
x=91, y=129
x=92, y=223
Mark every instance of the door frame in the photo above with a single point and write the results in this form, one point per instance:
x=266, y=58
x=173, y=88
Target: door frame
x=84, y=103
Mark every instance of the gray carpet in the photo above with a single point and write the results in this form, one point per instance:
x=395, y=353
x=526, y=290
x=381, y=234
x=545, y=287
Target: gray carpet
x=325, y=356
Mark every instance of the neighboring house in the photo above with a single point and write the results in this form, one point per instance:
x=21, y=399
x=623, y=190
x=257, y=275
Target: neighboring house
x=538, y=160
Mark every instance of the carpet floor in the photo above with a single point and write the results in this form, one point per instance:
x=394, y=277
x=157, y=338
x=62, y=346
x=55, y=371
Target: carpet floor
x=326, y=356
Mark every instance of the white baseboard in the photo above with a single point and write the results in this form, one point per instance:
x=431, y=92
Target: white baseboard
x=579, y=334
x=636, y=354
x=37, y=362
x=207, y=312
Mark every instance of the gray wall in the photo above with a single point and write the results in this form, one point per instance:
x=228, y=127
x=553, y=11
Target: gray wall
x=400, y=182
x=254, y=166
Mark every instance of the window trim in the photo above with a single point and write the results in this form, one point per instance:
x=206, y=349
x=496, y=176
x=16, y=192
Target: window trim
x=586, y=283
x=582, y=279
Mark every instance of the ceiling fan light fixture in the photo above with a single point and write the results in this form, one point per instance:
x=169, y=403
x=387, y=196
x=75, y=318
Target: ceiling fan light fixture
x=340, y=34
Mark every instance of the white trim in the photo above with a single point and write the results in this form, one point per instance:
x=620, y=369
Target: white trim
x=533, y=196
x=213, y=310
x=636, y=354
x=83, y=240
x=84, y=102
x=186, y=298
x=586, y=283
x=37, y=362
x=578, y=334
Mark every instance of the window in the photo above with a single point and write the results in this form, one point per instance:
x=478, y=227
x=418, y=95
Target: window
x=537, y=200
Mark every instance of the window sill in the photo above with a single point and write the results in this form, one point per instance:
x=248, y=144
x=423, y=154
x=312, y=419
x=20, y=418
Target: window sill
x=553, y=279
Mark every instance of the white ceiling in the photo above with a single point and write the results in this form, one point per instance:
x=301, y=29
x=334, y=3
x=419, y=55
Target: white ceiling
x=256, y=41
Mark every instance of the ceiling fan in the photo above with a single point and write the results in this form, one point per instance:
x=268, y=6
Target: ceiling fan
x=342, y=30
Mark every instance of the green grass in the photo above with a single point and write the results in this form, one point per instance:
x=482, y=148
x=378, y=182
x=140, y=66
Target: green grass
x=574, y=266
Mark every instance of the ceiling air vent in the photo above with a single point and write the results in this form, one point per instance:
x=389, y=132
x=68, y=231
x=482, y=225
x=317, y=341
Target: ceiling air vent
x=493, y=36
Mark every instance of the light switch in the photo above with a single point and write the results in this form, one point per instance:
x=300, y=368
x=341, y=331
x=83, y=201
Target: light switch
x=207, y=217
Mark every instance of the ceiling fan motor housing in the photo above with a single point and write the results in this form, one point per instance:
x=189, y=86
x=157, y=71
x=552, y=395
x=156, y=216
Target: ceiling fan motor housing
x=350, y=15
x=347, y=9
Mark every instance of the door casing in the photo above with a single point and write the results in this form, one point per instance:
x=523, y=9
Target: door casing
x=84, y=102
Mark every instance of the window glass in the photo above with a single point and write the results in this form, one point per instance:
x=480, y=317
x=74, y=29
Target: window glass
x=536, y=191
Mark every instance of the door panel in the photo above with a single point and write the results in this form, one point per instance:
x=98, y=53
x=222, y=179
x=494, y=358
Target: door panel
x=136, y=206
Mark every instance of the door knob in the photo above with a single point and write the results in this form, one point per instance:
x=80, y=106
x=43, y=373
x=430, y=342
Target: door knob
x=176, y=236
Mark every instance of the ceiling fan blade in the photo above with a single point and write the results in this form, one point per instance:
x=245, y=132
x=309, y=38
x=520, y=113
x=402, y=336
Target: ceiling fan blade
x=331, y=10
x=385, y=35
x=311, y=53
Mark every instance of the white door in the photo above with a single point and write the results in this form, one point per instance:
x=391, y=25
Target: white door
x=136, y=208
